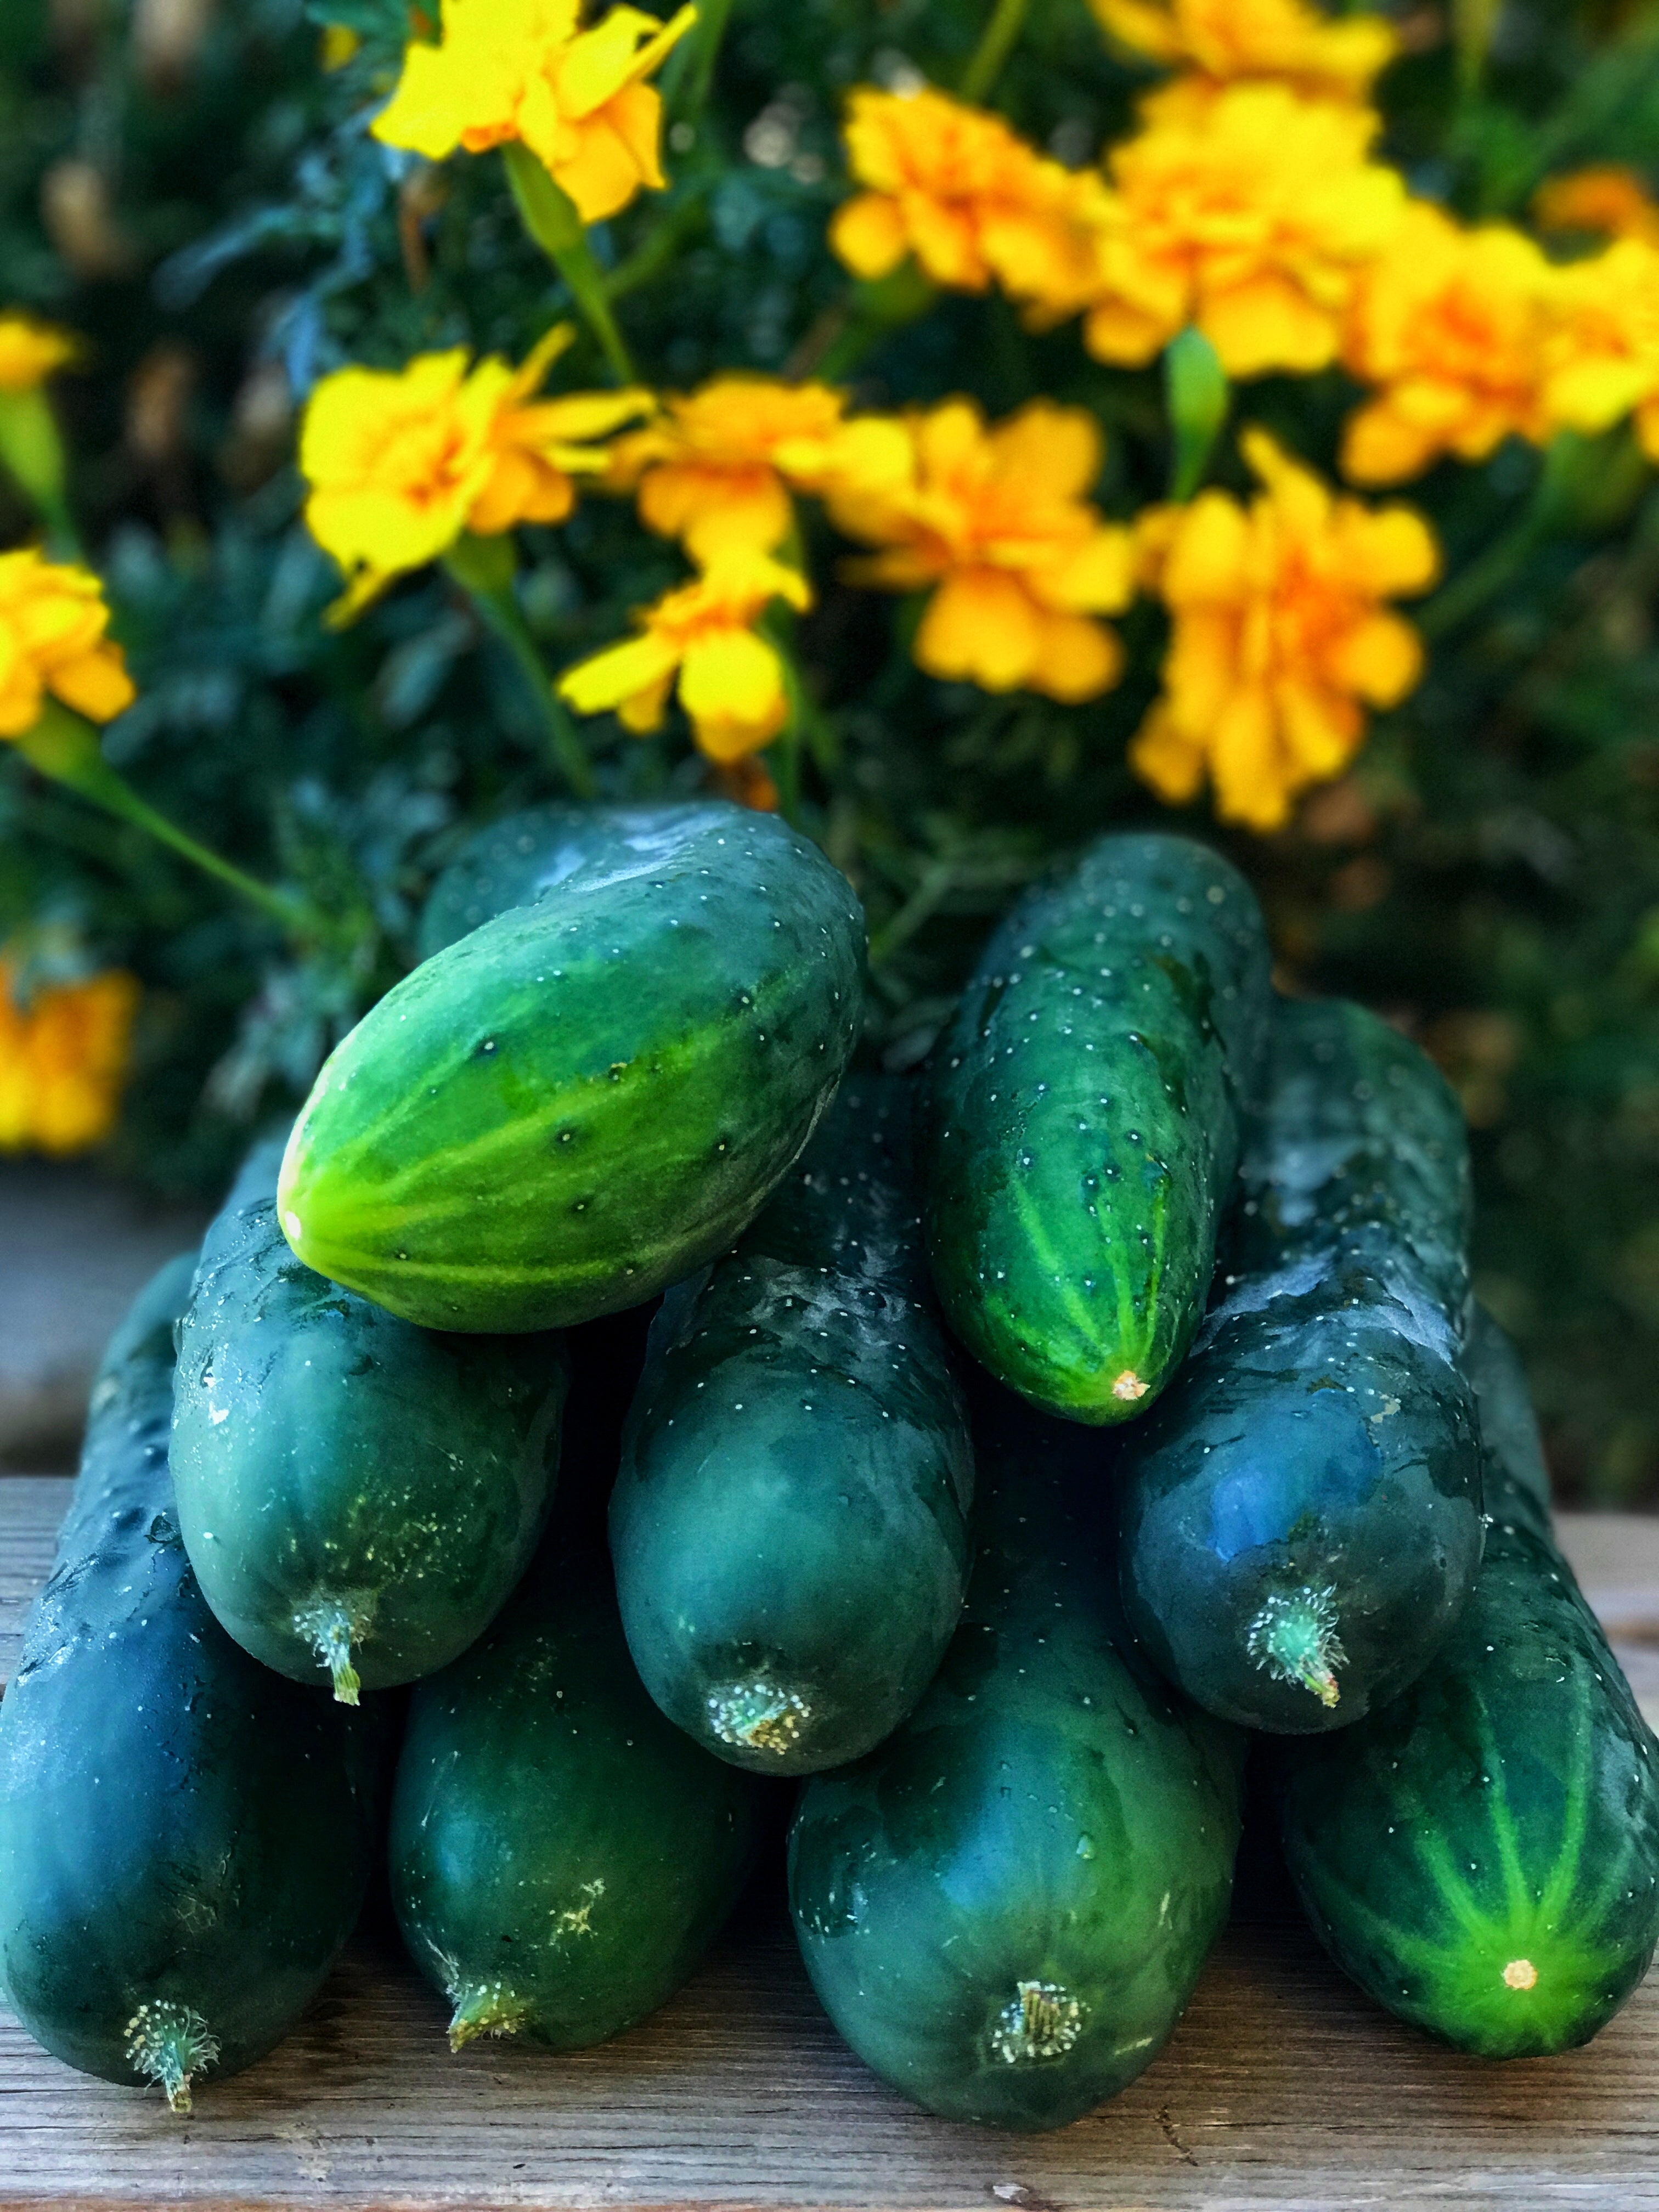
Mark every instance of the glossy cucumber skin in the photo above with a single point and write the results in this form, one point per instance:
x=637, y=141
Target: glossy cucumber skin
x=1301, y=1515
x=182, y=1832
x=1083, y=1126
x=562, y=1856
x=589, y=1097
x=789, y=1524
x=340, y=1471
x=513, y=861
x=1482, y=1856
x=1004, y=1908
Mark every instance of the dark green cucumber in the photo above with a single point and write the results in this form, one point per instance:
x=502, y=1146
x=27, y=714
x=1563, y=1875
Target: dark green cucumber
x=1006, y=1907
x=515, y=860
x=1301, y=1515
x=562, y=1856
x=589, y=1097
x=358, y=1495
x=789, y=1526
x=1083, y=1129
x=1482, y=1856
x=185, y=1837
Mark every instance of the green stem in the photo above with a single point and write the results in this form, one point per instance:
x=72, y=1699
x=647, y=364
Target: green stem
x=840, y=339
x=65, y=747
x=483, y=570
x=659, y=245
x=1487, y=573
x=918, y=908
x=696, y=77
x=996, y=43
x=551, y=217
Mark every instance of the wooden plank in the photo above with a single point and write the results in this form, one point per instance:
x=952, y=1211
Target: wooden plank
x=31, y=1507
x=1283, y=2087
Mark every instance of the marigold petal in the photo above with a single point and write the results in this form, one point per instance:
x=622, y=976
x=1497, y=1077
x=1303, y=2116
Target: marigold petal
x=1075, y=658
x=1115, y=331
x=1252, y=784
x=731, y=686
x=1381, y=659
x=96, y=684
x=1209, y=552
x=866, y=234
x=620, y=672
x=980, y=626
x=1269, y=323
x=1163, y=755
x=602, y=171
x=1379, y=447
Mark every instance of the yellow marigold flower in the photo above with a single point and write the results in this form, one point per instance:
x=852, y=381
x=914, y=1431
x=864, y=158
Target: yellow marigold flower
x=30, y=351
x=53, y=621
x=525, y=69
x=1280, y=636
x=400, y=462
x=731, y=681
x=1610, y=198
x=717, y=469
x=64, y=1052
x=1449, y=325
x=1601, y=350
x=968, y=198
x=1247, y=211
x=1280, y=39
x=998, y=520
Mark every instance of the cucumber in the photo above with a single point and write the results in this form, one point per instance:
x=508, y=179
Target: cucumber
x=1082, y=1132
x=1482, y=1856
x=562, y=1856
x=587, y=1098
x=1301, y=1515
x=789, y=1525
x=185, y=1837
x=1004, y=1908
x=515, y=860
x=358, y=1496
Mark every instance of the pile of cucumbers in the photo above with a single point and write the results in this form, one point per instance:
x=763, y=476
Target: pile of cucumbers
x=611, y=1404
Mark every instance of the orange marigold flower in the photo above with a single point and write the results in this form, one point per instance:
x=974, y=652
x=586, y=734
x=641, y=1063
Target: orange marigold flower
x=716, y=470
x=1280, y=636
x=998, y=521
x=1601, y=350
x=1449, y=325
x=732, y=681
x=53, y=621
x=401, y=462
x=1246, y=211
x=525, y=69
x=968, y=198
x=31, y=351
x=1280, y=39
x=64, y=1052
x=1610, y=198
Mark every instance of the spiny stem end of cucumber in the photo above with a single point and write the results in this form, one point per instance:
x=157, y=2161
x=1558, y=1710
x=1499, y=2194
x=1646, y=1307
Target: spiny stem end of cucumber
x=171, y=2043
x=1294, y=1639
x=484, y=2008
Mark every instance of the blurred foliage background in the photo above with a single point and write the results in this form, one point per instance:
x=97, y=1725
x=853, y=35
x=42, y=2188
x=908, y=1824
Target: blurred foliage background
x=185, y=183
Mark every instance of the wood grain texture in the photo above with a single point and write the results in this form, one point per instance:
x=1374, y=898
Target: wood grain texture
x=1283, y=2087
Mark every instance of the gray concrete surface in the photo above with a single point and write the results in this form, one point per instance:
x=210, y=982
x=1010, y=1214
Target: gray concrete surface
x=74, y=1247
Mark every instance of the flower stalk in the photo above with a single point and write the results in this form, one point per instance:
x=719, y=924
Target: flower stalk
x=483, y=569
x=551, y=217
x=65, y=747
x=997, y=42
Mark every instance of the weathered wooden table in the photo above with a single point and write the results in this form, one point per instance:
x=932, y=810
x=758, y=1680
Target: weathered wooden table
x=1282, y=2087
